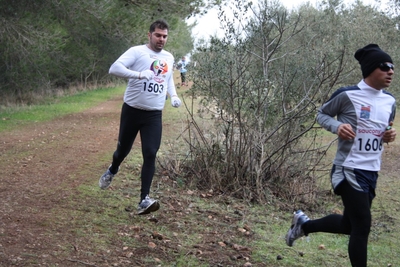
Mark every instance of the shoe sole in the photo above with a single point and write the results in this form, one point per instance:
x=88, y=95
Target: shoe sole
x=152, y=208
x=290, y=244
x=103, y=187
x=295, y=220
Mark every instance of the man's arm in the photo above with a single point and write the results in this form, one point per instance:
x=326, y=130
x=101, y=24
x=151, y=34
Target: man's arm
x=120, y=67
x=326, y=117
x=175, y=101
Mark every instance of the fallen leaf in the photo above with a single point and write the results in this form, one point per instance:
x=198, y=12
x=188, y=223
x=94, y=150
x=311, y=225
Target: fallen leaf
x=222, y=244
x=240, y=248
x=247, y=227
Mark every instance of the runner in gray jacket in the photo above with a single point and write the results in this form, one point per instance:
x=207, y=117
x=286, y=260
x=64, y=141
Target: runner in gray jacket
x=362, y=117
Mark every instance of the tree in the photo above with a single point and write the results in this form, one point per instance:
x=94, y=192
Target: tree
x=263, y=83
x=47, y=44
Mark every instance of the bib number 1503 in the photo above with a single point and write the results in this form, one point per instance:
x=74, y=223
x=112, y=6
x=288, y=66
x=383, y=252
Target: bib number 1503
x=153, y=87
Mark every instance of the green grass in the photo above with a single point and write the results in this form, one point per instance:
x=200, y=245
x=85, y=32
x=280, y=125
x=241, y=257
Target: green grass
x=101, y=226
x=11, y=118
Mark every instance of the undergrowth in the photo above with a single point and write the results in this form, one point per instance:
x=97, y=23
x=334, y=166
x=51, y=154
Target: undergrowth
x=200, y=227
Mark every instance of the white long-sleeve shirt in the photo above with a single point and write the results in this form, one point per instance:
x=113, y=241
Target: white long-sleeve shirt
x=369, y=112
x=141, y=93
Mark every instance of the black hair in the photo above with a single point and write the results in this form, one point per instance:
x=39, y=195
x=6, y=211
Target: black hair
x=160, y=24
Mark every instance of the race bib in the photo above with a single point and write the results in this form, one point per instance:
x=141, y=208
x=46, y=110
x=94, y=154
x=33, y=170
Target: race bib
x=369, y=141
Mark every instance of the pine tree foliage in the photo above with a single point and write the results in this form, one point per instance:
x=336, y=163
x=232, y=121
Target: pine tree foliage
x=50, y=44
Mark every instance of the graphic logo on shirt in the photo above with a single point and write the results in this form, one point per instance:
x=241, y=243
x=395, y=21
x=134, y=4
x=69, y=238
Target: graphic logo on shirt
x=159, y=67
x=365, y=112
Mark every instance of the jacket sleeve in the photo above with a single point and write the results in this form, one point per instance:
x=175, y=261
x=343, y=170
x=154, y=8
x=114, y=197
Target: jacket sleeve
x=327, y=113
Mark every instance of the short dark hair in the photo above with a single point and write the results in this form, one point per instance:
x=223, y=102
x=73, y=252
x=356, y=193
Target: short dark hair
x=159, y=24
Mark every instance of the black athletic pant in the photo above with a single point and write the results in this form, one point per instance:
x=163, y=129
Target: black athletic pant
x=355, y=221
x=183, y=77
x=149, y=124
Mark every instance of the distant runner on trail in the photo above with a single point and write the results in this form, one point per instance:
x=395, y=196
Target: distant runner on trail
x=149, y=69
x=183, y=70
x=364, y=117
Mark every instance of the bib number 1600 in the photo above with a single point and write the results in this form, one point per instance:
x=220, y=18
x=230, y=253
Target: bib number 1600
x=153, y=87
x=370, y=145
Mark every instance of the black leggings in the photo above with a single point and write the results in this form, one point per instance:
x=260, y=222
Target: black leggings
x=183, y=77
x=355, y=221
x=149, y=123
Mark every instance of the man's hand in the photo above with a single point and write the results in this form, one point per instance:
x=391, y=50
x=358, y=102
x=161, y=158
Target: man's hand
x=147, y=74
x=175, y=101
x=390, y=134
x=345, y=132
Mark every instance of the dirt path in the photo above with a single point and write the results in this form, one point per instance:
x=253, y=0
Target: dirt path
x=41, y=167
x=38, y=170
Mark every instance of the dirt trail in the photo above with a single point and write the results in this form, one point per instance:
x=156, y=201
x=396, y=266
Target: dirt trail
x=40, y=167
x=38, y=170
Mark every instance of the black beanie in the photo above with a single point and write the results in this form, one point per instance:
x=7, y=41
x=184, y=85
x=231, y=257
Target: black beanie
x=370, y=57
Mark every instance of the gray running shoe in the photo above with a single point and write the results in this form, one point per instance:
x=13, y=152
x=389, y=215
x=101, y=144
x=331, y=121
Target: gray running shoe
x=106, y=179
x=296, y=230
x=148, y=205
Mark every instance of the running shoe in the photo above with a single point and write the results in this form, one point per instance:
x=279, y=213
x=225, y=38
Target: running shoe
x=296, y=230
x=106, y=179
x=148, y=205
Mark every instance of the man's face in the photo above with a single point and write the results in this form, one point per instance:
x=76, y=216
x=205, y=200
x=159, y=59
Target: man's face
x=158, y=39
x=381, y=77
